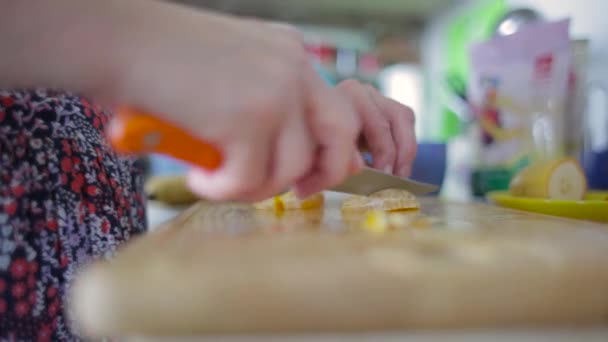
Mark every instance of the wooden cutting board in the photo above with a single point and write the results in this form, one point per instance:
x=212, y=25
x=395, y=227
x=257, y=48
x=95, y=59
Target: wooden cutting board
x=227, y=268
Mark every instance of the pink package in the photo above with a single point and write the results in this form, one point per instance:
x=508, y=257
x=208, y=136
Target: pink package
x=517, y=90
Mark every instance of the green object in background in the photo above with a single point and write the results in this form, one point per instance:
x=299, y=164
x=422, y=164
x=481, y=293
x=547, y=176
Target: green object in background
x=484, y=181
x=476, y=24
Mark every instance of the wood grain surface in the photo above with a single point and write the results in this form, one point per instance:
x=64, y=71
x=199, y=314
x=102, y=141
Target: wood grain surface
x=227, y=268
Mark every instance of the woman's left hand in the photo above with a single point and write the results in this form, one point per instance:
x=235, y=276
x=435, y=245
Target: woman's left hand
x=388, y=127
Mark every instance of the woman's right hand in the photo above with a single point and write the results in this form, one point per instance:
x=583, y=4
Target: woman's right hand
x=245, y=86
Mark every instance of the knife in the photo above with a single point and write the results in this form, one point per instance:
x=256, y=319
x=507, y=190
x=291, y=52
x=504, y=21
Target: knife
x=370, y=180
x=132, y=131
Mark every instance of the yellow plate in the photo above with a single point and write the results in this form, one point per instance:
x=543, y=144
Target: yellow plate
x=594, y=207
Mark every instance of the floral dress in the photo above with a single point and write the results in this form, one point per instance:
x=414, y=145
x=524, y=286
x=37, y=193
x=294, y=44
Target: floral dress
x=65, y=198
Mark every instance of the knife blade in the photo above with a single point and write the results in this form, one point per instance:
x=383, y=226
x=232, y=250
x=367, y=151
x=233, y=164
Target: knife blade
x=370, y=180
x=132, y=131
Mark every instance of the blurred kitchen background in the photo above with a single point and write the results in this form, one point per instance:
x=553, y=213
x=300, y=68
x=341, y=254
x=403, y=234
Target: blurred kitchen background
x=419, y=53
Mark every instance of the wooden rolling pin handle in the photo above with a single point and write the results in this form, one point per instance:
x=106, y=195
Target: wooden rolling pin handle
x=132, y=131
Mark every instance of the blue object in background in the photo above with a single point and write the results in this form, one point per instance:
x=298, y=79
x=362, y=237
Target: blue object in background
x=596, y=169
x=430, y=163
x=161, y=165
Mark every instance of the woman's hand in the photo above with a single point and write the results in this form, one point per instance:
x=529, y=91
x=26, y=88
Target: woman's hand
x=388, y=127
x=249, y=88
x=243, y=85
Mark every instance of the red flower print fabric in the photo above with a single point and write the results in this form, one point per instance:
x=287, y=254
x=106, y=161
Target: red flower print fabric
x=65, y=198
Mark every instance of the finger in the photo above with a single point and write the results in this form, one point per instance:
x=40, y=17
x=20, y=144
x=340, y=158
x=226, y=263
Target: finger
x=244, y=170
x=335, y=128
x=403, y=130
x=293, y=156
x=376, y=126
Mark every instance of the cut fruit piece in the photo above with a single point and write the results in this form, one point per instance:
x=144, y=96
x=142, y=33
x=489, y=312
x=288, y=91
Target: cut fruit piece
x=289, y=201
x=379, y=221
x=557, y=179
x=171, y=190
x=385, y=200
x=396, y=199
x=376, y=221
x=278, y=204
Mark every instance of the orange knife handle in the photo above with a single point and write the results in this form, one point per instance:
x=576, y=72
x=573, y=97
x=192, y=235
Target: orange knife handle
x=132, y=131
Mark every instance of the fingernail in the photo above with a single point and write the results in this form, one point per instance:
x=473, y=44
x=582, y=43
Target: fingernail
x=388, y=169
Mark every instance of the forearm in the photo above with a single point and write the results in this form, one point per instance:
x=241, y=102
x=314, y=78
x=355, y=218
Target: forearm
x=87, y=46
x=98, y=47
x=60, y=43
